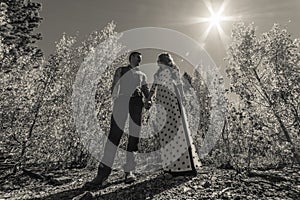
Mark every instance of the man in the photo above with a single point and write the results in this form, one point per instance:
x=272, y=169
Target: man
x=128, y=89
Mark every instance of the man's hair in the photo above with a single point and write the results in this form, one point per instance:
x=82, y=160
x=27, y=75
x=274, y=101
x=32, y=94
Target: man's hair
x=134, y=53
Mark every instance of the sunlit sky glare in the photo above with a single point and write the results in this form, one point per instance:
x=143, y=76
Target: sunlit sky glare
x=191, y=17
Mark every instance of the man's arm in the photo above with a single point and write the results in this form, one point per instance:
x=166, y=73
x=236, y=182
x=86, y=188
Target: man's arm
x=115, y=83
x=152, y=90
x=145, y=88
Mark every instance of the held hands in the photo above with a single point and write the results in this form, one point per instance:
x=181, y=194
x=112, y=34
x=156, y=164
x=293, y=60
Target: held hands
x=148, y=104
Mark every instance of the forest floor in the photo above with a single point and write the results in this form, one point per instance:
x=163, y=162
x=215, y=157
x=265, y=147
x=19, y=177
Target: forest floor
x=210, y=183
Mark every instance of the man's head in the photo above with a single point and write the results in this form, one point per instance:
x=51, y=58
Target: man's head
x=135, y=58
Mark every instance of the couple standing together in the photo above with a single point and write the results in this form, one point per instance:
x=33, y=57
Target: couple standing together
x=131, y=93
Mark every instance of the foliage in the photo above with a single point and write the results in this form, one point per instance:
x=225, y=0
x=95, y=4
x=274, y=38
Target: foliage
x=42, y=131
x=263, y=117
x=56, y=116
x=19, y=19
x=19, y=74
x=262, y=126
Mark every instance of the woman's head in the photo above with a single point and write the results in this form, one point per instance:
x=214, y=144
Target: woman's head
x=165, y=59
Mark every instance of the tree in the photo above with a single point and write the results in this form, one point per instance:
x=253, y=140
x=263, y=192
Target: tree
x=54, y=121
x=19, y=72
x=204, y=99
x=19, y=19
x=264, y=73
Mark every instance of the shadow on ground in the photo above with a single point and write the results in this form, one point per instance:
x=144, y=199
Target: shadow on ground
x=119, y=190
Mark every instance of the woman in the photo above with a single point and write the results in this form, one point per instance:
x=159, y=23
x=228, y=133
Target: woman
x=179, y=156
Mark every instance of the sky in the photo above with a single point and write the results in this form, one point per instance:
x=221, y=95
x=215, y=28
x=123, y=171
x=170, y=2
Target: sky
x=84, y=16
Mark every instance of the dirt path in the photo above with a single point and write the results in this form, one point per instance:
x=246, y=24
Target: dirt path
x=210, y=183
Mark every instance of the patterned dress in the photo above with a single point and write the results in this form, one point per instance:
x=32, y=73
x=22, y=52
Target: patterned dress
x=179, y=154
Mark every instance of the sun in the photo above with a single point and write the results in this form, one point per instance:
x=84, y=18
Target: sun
x=215, y=20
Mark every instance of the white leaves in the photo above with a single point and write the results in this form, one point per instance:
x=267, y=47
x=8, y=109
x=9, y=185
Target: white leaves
x=64, y=45
x=262, y=72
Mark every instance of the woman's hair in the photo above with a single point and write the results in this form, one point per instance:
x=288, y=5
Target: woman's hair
x=166, y=59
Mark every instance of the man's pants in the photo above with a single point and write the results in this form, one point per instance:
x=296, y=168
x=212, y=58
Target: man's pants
x=118, y=119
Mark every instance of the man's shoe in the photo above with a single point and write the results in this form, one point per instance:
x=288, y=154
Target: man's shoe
x=129, y=177
x=100, y=179
x=97, y=182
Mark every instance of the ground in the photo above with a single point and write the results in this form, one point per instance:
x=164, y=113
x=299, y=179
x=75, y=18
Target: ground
x=210, y=183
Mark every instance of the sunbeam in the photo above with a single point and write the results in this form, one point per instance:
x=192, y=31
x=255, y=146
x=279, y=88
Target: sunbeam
x=215, y=20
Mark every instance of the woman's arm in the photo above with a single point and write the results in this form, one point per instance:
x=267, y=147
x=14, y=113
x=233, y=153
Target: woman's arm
x=179, y=85
x=148, y=100
x=181, y=93
x=152, y=91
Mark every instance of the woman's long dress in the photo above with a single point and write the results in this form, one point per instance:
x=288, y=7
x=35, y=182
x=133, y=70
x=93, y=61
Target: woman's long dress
x=179, y=154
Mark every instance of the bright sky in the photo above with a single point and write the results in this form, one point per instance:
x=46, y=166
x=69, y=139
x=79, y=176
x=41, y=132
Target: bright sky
x=84, y=16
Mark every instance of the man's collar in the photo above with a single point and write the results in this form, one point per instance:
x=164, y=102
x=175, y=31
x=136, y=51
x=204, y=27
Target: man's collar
x=130, y=67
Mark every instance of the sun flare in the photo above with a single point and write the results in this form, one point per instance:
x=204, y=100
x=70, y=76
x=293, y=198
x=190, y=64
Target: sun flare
x=215, y=20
